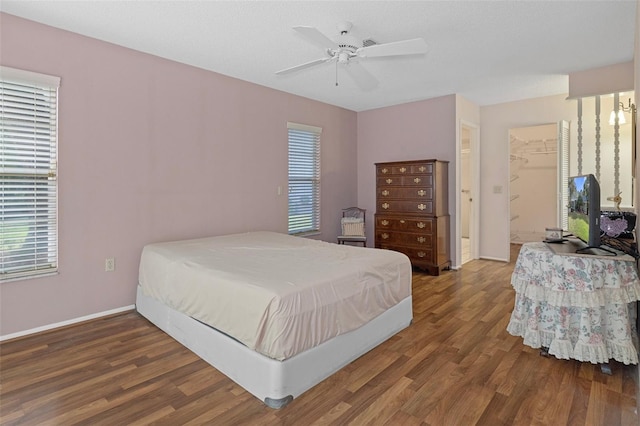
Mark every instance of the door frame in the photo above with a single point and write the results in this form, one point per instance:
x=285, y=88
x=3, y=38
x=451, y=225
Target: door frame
x=474, y=216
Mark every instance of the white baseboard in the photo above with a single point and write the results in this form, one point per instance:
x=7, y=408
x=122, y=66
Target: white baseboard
x=65, y=323
x=494, y=258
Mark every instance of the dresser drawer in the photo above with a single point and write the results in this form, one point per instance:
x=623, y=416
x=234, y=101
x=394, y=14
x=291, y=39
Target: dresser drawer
x=405, y=238
x=404, y=206
x=423, y=181
x=392, y=223
x=389, y=192
x=401, y=169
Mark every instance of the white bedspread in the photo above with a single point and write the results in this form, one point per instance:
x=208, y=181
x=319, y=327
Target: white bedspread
x=277, y=294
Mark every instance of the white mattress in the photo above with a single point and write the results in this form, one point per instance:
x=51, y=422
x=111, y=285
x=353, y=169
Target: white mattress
x=277, y=294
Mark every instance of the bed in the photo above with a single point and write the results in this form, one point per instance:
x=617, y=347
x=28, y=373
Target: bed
x=275, y=313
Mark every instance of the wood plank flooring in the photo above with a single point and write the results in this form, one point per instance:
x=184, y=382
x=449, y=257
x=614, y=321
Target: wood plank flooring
x=455, y=365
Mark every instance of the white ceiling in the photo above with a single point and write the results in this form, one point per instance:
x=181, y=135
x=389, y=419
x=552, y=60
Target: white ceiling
x=487, y=51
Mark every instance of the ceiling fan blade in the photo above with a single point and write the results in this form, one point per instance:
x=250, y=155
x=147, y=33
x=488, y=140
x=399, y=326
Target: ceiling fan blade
x=303, y=66
x=362, y=77
x=406, y=47
x=313, y=35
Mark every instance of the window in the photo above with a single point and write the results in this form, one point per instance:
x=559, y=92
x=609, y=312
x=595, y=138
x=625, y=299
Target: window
x=304, y=178
x=28, y=174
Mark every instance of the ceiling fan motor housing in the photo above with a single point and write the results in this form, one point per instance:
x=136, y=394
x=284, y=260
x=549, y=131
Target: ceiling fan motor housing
x=344, y=27
x=345, y=40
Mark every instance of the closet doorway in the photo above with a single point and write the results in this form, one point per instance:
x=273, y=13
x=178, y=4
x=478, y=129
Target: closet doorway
x=534, y=182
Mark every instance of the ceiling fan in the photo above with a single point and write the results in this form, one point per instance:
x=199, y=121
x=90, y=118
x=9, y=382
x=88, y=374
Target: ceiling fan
x=347, y=50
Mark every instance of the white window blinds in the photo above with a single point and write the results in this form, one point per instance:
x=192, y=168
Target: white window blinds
x=28, y=174
x=304, y=178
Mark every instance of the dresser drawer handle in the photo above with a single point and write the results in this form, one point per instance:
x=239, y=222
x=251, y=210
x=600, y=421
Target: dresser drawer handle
x=385, y=236
x=422, y=206
x=421, y=225
x=389, y=181
x=402, y=221
x=421, y=254
x=421, y=239
x=422, y=193
x=385, y=192
x=422, y=168
x=384, y=222
x=417, y=180
x=403, y=169
x=384, y=171
x=385, y=205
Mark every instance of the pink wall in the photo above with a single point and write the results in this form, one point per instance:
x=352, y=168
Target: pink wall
x=412, y=131
x=154, y=150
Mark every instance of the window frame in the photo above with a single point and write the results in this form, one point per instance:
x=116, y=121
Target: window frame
x=304, y=179
x=28, y=174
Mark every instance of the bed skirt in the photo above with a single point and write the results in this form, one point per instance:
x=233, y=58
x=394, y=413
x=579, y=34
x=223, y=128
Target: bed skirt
x=274, y=382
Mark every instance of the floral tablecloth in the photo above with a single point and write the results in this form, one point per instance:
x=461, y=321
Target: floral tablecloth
x=579, y=307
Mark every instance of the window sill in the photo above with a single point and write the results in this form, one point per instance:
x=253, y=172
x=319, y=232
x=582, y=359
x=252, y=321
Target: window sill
x=28, y=277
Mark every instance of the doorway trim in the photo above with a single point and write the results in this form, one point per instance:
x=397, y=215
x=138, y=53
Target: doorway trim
x=474, y=219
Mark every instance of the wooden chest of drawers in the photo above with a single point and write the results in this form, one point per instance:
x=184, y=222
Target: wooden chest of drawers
x=412, y=211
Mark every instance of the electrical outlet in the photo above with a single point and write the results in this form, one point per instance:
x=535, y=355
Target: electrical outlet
x=110, y=264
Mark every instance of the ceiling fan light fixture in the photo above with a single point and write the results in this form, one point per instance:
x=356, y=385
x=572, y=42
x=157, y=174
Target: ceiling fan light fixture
x=343, y=57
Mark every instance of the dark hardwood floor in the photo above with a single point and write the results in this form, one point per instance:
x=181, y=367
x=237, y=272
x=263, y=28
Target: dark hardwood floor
x=455, y=365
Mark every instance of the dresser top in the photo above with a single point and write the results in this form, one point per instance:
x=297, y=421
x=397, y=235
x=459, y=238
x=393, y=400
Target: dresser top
x=432, y=160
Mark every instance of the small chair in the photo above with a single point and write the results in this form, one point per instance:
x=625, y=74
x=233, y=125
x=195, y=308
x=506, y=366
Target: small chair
x=353, y=226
